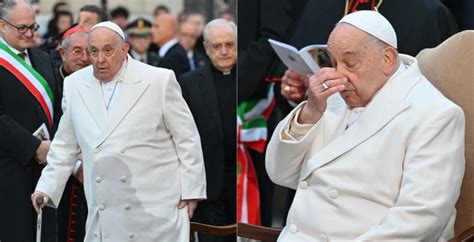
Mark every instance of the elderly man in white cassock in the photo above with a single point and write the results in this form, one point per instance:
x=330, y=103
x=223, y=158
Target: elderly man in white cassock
x=376, y=152
x=142, y=159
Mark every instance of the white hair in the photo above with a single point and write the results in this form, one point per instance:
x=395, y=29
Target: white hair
x=220, y=22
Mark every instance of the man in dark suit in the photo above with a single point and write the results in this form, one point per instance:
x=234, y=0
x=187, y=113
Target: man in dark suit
x=188, y=37
x=28, y=99
x=210, y=92
x=171, y=54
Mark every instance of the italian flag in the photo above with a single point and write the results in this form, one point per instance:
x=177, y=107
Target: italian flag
x=30, y=78
x=252, y=133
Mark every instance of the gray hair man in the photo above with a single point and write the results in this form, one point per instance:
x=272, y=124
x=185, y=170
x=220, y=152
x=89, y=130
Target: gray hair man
x=369, y=156
x=29, y=104
x=73, y=51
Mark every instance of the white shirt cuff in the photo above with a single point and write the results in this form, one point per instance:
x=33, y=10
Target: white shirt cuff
x=76, y=167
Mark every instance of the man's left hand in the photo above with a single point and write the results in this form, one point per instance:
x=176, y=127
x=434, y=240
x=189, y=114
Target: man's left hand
x=192, y=205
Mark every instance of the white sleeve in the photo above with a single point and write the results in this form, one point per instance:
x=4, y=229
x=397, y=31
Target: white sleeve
x=180, y=122
x=62, y=154
x=287, y=148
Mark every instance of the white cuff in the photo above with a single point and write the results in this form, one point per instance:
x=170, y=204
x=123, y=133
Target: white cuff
x=76, y=167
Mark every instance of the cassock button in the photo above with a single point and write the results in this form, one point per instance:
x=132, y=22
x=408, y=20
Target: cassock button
x=127, y=207
x=131, y=235
x=323, y=238
x=96, y=150
x=102, y=207
x=96, y=235
x=304, y=185
x=293, y=229
x=123, y=179
x=333, y=194
x=98, y=179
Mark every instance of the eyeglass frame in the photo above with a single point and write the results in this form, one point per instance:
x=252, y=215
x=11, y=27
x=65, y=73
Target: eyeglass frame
x=33, y=28
x=78, y=51
x=215, y=47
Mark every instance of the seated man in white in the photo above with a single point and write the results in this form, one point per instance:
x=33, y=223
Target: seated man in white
x=376, y=152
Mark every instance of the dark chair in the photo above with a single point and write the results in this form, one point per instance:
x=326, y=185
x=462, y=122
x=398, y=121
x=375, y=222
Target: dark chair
x=256, y=232
x=466, y=236
x=211, y=229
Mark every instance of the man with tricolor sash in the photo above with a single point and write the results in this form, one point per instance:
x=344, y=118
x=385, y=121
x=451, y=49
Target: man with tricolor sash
x=28, y=104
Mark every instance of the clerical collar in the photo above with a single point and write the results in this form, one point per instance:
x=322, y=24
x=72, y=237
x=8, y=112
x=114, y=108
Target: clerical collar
x=62, y=72
x=166, y=47
x=224, y=73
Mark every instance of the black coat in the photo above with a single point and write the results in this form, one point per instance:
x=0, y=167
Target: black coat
x=20, y=116
x=200, y=94
x=175, y=59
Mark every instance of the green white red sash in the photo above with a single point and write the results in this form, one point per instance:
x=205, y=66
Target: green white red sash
x=252, y=118
x=30, y=78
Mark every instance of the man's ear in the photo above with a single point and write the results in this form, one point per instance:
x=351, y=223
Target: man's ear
x=61, y=53
x=390, y=58
x=206, y=47
x=125, y=48
x=2, y=27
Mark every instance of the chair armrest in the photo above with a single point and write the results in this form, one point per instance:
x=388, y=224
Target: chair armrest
x=256, y=232
x=466, y=236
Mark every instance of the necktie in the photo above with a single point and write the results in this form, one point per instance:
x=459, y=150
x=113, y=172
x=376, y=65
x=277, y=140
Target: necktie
x=22, y=55
x=192, y=65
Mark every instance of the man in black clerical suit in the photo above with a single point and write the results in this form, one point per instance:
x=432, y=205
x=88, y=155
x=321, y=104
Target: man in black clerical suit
x=210, y=92
x=24, y=82
x=171, y=54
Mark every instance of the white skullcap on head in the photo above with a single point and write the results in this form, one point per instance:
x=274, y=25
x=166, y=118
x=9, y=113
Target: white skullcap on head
x=111, y=26
x=374, y=24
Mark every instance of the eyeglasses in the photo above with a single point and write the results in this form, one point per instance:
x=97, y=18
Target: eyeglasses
x=22, y=29
x=78, y=51
x=218, y=46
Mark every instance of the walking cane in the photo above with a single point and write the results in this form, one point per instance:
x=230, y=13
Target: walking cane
x=39, y=202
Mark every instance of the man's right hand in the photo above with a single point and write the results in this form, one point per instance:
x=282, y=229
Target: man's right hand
x=321, y=86
x=80, y=174
x=42, y=151
x=294, y=86
x=33, y=200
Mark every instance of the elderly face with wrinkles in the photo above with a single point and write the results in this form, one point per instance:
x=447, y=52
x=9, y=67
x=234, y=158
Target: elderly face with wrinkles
x=107, y=53
x=364, y=61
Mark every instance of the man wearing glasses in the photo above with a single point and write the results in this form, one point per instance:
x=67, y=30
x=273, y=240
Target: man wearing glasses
x=27, y=101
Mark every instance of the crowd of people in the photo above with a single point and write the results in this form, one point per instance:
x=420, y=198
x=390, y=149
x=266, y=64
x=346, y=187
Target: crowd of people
x=116, y=128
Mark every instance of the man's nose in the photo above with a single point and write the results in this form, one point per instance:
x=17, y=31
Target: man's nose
x=224, y=50
x=29, y=33
x=101, y=57
x=85, y=56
